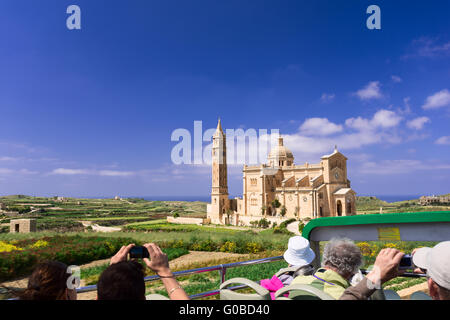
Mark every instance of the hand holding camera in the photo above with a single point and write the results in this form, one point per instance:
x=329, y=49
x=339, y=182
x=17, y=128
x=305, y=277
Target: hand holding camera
x=158, y=261
x=122, y=254
x=139, y=252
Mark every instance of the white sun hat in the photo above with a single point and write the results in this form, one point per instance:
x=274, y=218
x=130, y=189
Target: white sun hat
x=298, y=252
x=437, y=261
x=419, y=257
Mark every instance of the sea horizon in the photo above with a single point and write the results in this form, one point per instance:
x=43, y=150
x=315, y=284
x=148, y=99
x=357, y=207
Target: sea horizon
x=387, y=198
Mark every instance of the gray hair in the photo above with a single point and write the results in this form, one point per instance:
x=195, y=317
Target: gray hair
x=342, y=254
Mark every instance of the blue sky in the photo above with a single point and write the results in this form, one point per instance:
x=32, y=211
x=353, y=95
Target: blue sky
x=90, y=112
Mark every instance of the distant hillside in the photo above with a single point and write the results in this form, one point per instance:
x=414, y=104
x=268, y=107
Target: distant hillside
x=369, y=203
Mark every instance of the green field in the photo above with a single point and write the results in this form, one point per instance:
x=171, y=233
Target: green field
x=66, y=215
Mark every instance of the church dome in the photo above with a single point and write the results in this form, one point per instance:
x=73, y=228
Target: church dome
x=280, y=155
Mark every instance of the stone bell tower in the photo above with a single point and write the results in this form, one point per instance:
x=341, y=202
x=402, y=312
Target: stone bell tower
x=219, y=191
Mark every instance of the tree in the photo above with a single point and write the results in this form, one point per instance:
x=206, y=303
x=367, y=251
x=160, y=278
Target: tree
x=283, y=211
x=276, y=203
x=263, y=210
x=229, y=213
x=301, y=226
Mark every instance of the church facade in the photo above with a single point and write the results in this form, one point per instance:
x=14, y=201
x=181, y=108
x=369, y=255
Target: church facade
x=280, y=189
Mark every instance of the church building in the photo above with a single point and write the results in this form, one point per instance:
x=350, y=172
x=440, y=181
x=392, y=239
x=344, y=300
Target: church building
x=280, y=189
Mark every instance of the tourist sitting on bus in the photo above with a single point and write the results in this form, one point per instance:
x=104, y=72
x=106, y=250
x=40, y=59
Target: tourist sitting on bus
x=124, y=279
x=340, y=262
x=432, y=261
x=299, y=257
x=49, y=281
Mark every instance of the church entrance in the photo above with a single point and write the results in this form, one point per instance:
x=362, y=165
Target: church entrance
x=339, y=208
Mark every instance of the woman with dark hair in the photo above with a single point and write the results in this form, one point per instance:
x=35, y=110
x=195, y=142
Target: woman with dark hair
x=49, y=282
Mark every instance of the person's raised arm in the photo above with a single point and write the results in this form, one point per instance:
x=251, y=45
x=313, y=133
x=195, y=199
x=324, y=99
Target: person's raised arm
x=122, y=254
x=159, y=263
x=384, y=269
x=386, y=266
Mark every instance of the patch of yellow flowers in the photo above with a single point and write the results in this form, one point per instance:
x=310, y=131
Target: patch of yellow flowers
x=228, y=246
x=39, y=244
x=8, y=247
x=372, y=250
x=11, y=246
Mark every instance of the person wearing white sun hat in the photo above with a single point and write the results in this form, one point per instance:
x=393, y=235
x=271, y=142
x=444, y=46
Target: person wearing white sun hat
x=299, y=256
x=419, y=259
x=436, y=264
x=298, y=252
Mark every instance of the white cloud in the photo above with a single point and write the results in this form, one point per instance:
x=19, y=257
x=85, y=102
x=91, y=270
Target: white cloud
x=429, y=48
x=438, y=100
x=360, y=132
x=445, y=140
x=418, y=123
x=382, y=118
x=386, y=119
x=9, y=159
x=319, y=127
x=396, y=79
x=407, y=109
x=371, y=91
x=390, y=167
x=27, y=172
x=7, y=171
x=327, y=97
x=108, y=173
x=114, y=173
x=64, y=171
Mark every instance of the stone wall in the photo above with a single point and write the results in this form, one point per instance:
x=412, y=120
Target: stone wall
x=182, y=220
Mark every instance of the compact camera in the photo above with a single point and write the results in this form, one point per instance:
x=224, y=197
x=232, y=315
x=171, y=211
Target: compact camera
x=139, y=252
x=406, y=262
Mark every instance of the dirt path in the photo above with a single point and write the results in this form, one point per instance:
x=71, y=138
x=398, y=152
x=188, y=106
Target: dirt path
x=98, y=228
x=293, y=227
x=406, y=293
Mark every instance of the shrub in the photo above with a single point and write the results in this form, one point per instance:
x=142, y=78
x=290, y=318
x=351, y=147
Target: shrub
x=228, y=246
x=301, y=226
x=19, y=209
x=263, y=223
x=275, y=203
x=254, y=247
x=204, y=245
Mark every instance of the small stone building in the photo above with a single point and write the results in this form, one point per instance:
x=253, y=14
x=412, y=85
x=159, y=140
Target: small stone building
x=22, y=225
